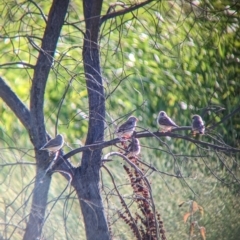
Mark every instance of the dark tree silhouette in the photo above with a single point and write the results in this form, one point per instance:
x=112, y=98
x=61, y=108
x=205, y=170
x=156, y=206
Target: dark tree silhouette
x=85, y=179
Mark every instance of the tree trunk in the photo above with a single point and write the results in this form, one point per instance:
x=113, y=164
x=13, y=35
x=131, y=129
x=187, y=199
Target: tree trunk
x=37, y=130
x=87, y=178
x=39, y=203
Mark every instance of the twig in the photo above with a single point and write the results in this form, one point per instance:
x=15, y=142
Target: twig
x=123, y=202
x=145, y=179
x=124, y=11
x=16, y=63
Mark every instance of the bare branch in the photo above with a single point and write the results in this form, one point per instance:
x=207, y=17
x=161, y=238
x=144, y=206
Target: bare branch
x=225, y=118
x=123, y=202
x=17, y=63
x=56, y=201
x=61, y=102
x=15, y=104
x=40, y=10
x=144, y=178
x=16, y=163
x=147, y=134
x=124, y=11
x=160, y=172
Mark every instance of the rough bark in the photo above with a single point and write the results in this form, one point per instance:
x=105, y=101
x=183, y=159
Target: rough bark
x=87, y=179
x=37, y=126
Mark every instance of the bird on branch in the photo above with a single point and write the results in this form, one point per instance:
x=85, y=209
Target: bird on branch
x=125, y=131
x=197, y=125
x=165, y=123
x=54, y=144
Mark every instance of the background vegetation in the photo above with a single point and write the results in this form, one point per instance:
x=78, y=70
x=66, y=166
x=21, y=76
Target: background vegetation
x=178, y=56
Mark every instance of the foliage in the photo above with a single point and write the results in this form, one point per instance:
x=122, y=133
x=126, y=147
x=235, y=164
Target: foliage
x=171, y=56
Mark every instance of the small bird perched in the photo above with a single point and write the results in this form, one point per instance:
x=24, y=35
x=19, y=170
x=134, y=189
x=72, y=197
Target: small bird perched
x=126, y=130
x=133, y=148
x=165, y=122
x=197, y=125
x=54, y=144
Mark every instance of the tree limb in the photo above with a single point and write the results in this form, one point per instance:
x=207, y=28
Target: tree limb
x=15, y=104
x=37, y=131
x=147, y=134
x=44, y=63
x=122, y=12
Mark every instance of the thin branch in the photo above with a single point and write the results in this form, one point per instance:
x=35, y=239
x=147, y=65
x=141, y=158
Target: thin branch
x=206, y=144
x=124, y=11
x=123, y=202
x=74, y=26
x=20, y=36
x=160, y=172
x=61, y=102
x=15, y=104
x=226, y=166
x=12, y=225
x=17, y=163
x=145, y=180
x=118, y=84
x=55, y=202
x=225, y=118
x=15, y=63
x=40, y=10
